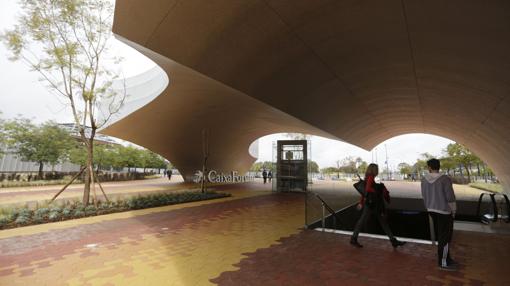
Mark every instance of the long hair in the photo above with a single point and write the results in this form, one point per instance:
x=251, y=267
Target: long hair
x=372, y=170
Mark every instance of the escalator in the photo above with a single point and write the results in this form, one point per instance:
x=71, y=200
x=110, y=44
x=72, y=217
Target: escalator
x=409, y=220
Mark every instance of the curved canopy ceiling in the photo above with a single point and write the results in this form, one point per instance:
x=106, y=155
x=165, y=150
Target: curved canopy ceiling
x=361, y=71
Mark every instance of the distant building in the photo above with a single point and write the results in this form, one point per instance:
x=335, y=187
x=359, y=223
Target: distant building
x=10, y=161
x=98, y=138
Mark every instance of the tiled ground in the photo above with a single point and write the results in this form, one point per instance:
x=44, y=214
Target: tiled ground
x=180, y=245
x=252, y=238
x=317, y=258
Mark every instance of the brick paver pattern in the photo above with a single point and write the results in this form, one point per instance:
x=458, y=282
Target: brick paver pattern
x=252, y=238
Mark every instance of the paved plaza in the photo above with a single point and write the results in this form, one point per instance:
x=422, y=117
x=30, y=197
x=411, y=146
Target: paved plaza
x=255, y=237
x=330, y=189
x=24, y=195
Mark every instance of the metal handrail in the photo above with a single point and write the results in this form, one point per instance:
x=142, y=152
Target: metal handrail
x=507, y=220
x=494, y=206
x=325, y=207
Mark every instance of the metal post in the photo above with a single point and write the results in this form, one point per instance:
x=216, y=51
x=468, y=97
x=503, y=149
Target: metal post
x=507, y=208
x=494, y=207
x=323, y=216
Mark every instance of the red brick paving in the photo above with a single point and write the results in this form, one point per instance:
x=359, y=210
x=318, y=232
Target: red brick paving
x=21, y=251
x=317, y=258
x=150, y=243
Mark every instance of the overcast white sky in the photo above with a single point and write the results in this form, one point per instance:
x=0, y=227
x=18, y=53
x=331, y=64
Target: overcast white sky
x=22, y=93
x=405, y=148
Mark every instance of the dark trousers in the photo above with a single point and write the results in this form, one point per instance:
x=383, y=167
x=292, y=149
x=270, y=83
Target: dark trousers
x=362, y=221
x=444, y=225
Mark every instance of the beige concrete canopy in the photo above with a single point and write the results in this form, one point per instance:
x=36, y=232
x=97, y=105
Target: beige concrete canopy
x=360, y=71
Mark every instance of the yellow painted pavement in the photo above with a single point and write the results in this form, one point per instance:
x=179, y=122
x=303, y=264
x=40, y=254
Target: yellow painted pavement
x=191, y=256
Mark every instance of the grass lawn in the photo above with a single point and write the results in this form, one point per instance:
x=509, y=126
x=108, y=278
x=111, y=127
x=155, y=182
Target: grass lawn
x=495, y=188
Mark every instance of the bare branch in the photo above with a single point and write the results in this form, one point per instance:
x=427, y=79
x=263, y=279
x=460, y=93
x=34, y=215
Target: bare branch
x=73, y=37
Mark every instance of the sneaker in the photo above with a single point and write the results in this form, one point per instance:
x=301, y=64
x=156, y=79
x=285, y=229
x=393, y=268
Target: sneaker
x=356, y=243
x=450, y=267
x=396, y=243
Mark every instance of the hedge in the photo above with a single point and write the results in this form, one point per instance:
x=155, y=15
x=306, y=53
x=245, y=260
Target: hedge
x=15, y=217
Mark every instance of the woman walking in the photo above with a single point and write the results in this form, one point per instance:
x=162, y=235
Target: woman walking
x=373, y=204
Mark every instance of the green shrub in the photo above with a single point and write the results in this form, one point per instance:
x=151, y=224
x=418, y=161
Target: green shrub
x=67, y=212
x=22, y=220
x=90, y=210
x=131, y=202
x=14, y=214
x=77, y=213
x=42, y=212
x=4, y=220
x=54, y=216
x=38, y=219
x=25, y=212
x=19, y=216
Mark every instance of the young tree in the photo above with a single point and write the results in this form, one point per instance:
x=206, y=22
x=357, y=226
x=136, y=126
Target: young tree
x=462, y=156
x=149, y=159
x=338, y=165
x=44, y=144
x=405, y=168
x=129, y=157
x=314, y=167
x=362, y=168
x=65, y=41
x=104, y=155
x=448, y=164
x=256, y=166
x=156, y=161
x=421, y=164
x=348, y=165
x=2, y=136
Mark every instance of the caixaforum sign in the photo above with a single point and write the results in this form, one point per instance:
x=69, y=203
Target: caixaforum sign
x=218, y=177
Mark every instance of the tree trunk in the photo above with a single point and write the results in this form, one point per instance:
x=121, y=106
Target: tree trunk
x=40, y=174
x=89, y=168
x=468, y=174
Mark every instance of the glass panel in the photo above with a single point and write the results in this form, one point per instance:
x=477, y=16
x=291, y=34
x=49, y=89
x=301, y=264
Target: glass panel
x=292, y=152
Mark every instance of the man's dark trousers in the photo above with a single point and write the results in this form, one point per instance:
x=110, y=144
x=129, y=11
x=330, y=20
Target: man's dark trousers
x=444, y=227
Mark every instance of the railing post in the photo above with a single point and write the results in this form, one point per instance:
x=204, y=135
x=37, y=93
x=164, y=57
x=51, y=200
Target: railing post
x=323, y=216
x=478, y=207
x=507, y=208
x=495, y=208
